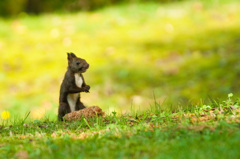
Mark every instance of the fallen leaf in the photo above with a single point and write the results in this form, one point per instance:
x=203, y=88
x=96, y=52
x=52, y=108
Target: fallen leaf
x=201, y=127
x=22, y=155
x=232, y=107
x=42, y=126
x=1, y=145
x=25, y=125
x=53, y=135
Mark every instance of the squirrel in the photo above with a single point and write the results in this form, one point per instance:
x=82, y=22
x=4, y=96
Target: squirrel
x=72, y=84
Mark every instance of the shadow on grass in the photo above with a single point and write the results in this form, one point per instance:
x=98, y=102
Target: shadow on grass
x=205, y=64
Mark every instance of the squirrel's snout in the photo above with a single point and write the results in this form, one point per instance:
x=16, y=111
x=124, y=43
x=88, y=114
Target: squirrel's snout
x=87, y=66
x=84, y=67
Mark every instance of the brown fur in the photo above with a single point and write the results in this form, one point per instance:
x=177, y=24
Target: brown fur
x=75, y=65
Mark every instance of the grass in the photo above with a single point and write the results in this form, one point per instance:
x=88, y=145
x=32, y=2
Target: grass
x=197, y=132
x=171, y=143
x=180, y=51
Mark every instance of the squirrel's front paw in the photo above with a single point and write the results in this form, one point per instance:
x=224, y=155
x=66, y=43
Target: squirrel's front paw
x=86, y=88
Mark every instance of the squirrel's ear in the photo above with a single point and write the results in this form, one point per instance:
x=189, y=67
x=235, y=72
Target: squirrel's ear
x=68, y=56
x=71, y=55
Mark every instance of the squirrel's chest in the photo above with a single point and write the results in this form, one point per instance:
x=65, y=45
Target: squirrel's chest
x=78, y=80
x=73, y=97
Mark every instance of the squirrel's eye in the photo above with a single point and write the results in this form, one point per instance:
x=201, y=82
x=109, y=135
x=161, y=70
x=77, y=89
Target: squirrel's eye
x=77, y=62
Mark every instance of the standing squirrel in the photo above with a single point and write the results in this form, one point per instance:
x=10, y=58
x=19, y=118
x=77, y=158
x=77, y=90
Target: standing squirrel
x=72, y=84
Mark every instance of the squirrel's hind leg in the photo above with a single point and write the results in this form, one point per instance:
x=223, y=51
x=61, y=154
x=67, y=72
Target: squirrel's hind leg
x=79, y=105
x=62, y=110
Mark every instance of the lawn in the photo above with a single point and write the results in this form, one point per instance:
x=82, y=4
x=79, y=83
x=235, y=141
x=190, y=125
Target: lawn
x=203, y=131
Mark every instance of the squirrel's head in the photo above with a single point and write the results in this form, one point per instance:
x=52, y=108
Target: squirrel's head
x=77, y=65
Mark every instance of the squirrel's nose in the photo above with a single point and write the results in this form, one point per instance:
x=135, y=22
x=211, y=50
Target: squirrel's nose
x=87, y=65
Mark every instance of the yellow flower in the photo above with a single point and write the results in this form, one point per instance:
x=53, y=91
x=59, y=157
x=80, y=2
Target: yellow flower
x=5, y=115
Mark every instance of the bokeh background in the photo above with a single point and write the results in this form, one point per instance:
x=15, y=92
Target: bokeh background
x=173, y=52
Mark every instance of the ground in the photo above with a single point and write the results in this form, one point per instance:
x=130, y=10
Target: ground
x=203, y=131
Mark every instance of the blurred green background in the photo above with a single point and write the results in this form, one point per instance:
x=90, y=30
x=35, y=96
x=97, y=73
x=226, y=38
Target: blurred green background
x=178, y=51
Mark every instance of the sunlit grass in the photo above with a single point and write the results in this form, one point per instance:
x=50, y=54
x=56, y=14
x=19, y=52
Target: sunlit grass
x=179, y=52
x=197, y=132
